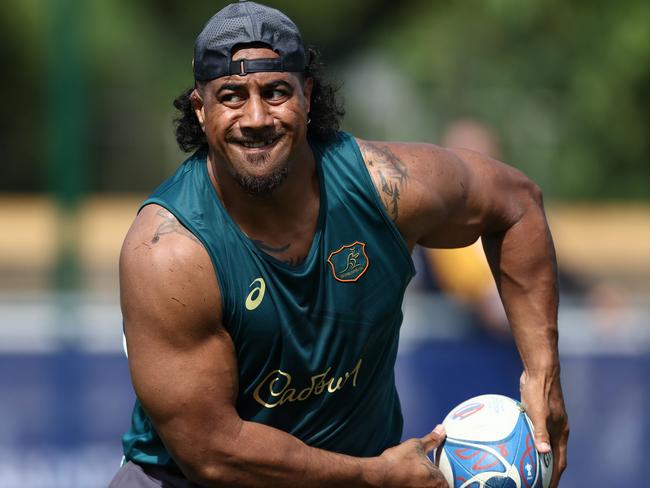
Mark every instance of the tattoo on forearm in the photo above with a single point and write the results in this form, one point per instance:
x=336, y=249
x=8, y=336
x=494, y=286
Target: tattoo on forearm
x=171, y=226
x=390, y=175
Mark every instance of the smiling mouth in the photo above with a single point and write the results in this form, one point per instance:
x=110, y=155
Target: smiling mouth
x=266, y=144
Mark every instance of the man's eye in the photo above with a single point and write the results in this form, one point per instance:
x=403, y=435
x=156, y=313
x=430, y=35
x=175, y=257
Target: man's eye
x=230, y=98
x=276, y=94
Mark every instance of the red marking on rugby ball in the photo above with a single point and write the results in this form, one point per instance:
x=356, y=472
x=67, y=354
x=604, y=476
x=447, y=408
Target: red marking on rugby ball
x=503, y=450
x=461, y=453
x=480, y=467
x=467, y=410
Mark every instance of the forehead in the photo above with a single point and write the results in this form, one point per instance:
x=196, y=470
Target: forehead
x=253, y=79
x=253, y=53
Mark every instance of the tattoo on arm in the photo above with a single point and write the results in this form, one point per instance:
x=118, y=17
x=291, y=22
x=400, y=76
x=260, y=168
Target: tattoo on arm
x=170, y=226
x=389, y=174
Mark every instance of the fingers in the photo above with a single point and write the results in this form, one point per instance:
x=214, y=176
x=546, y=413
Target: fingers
x=543, y=400
x=542, y=437
x=434, y=438
x=542, y=441
x=559, y=456
x=538, y=414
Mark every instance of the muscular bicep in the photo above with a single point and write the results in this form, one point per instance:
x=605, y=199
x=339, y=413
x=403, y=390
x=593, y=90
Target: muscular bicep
x=443, y=198
x=182, y=362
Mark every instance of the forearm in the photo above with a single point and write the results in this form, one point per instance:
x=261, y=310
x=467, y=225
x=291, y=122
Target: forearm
x=523, y=262
x=262, y=456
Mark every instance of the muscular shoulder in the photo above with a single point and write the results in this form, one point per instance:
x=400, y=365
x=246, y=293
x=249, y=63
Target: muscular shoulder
x=445, y=197
x=166, y=276
x=413, y=180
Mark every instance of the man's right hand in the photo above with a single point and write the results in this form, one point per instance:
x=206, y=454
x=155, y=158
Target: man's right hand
x=407, y=465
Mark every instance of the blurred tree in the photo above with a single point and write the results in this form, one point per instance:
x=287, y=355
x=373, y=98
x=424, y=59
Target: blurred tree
x=566, y=83
x=22, y=57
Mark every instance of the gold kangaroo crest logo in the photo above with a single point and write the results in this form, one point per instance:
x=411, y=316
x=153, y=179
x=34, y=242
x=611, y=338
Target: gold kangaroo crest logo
x=349, y=263
x=256, y=295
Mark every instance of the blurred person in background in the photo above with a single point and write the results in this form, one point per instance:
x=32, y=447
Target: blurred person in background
x=261, y=284
x=464, y=273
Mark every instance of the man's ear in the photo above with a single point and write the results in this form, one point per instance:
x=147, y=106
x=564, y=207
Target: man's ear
x=197, y=105
x=306, y=90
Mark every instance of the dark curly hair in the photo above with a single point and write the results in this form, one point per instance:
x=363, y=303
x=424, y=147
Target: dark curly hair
x=325, y=114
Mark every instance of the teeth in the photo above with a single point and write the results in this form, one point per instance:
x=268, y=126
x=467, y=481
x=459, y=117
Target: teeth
x=256, y=145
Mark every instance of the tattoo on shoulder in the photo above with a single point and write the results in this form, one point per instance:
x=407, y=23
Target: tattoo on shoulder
x=389, y=174
x=171, y=225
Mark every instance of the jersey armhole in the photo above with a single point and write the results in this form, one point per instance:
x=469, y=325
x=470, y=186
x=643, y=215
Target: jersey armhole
x=380, y=205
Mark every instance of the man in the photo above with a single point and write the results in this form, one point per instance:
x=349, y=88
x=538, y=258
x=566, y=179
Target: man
x=261, y=284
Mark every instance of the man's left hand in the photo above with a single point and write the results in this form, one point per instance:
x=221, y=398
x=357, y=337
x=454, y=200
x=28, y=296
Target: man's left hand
x=542, y=398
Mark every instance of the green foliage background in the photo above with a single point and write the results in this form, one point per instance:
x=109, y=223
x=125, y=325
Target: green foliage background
x=565, y=83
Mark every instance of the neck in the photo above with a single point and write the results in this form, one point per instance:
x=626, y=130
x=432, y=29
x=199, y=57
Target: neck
x=287, y=207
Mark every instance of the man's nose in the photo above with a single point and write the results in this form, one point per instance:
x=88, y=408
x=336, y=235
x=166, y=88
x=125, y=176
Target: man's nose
x=256, y=114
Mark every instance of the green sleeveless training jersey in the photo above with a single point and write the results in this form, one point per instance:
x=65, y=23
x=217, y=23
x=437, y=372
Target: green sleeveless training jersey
x=316, y=343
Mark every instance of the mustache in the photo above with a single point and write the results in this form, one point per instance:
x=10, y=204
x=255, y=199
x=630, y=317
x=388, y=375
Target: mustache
x=254, y=138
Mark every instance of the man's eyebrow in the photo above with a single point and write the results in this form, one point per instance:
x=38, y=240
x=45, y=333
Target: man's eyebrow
x=276, y=83
x=230, y=87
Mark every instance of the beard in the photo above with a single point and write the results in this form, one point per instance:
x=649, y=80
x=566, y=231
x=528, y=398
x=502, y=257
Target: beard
x=260, y=185
x=265, y=184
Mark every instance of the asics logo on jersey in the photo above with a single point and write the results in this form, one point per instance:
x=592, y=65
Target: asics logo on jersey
x=255, y=297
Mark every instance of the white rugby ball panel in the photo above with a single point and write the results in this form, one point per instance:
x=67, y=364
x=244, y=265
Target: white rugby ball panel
x=483, y=418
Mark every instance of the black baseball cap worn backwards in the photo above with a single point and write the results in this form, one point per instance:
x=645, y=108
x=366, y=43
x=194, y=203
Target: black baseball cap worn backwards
x=245, y=23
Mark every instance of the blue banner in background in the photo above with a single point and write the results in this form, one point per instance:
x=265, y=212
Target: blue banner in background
x=607, y=398
x=63, y=412
x=62, y=416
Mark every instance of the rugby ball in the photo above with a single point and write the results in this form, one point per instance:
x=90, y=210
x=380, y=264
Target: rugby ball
x=490, y=444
